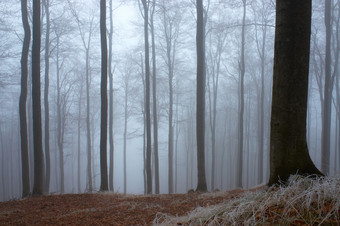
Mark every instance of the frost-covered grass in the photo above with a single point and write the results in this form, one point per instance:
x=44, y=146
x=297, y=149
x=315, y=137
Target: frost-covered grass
x=305, y=201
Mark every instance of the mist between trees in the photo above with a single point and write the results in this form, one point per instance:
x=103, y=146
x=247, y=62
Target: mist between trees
x=239, y=56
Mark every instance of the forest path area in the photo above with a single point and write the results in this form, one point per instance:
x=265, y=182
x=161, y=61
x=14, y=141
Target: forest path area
x=105, y=208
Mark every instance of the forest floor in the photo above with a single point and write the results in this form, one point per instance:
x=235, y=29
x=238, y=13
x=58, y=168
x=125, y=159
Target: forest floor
x=104, y=208
x=303, y=202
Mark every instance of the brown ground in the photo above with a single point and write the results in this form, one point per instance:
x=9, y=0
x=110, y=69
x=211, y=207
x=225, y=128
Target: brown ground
x=103, y=208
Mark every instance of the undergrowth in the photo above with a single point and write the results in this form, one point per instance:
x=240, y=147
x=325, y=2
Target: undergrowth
x=304, y=201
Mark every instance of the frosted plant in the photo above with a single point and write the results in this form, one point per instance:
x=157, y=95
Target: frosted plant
x=305, y=200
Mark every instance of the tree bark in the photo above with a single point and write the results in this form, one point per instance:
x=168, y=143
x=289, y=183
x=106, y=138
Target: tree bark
x=327, y=104
x=88, y=124
x=60, y=135
x=147, y=95
x=154, y=99
x=103, y=94
x=79, y=122
x=22, y=103
x=36, y=92
x=200, y=99
x=126, y=89
x=288, y=146
x=239, y=170
x=46, y=102
x=111, y=170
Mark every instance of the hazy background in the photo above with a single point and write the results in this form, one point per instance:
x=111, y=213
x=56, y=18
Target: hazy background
x=223, y=39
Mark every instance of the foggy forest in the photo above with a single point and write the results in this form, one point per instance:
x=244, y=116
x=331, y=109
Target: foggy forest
x=152, y=98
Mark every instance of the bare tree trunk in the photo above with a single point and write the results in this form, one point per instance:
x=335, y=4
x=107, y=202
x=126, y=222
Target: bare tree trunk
x=111, y=170
x=261, y=110
x=176, y=143
x=79, y=122
x=200, y=111
x=22, y=104
x=147, y=95
x=37, y=129
x=288, y=146
x=46, y=104
x=239, y=172
x=336, y=75
x=327, y=106
x=144, y=126
x=88, y=124
x=154, y=99
x=103, y=94
x=125, y=130
x=60, y=142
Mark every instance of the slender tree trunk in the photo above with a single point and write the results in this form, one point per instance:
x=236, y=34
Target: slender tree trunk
x=327, y=106
x=200, y=101
x=79, y=122
x=88, y=124
x=111, y=170
x=176, y=143
x=288, y=146
x=125, y=131
x=144, y=126
x=239, y=174
x=147, y=95
x=37, y=129
x=170, y=138
x=46, y=104
x=25, y=176
x=30, y=133
x=59, y=123
x=154, y=100
x=103, y=94
x=261, y=110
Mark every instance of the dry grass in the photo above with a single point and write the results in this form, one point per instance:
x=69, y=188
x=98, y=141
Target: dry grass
x=304, y=201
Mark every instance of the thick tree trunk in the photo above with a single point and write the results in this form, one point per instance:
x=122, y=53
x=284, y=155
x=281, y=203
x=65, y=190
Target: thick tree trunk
x=200, y=101
x=37, y=129
x=288, y=146
x=22, y=103
x=103, y=94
